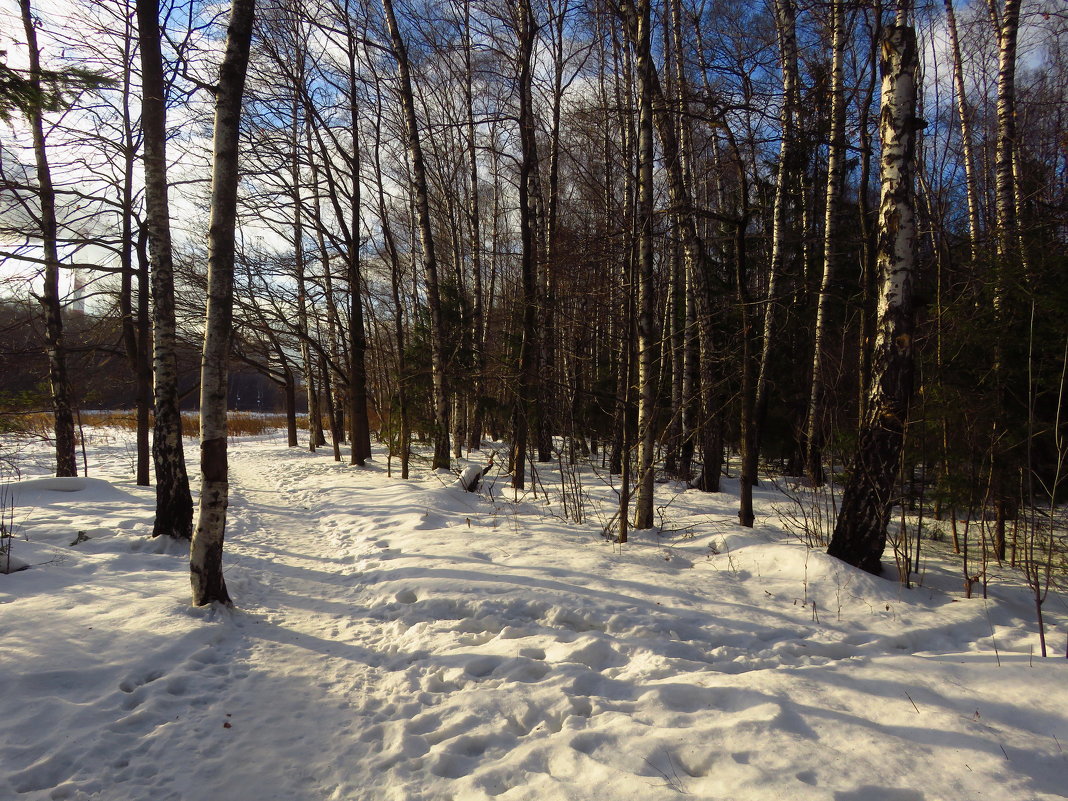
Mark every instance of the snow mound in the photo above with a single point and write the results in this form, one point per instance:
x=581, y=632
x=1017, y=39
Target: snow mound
x=38, y=491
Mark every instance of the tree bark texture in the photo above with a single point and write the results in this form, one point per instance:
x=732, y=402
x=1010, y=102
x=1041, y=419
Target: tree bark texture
x=205, y=559
x=359, y=426
x=1009, y=252
x=860, y=531
x=174, y=503
x=527, y=193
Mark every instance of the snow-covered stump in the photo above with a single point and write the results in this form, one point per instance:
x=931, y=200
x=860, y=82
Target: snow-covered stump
x=471, y=477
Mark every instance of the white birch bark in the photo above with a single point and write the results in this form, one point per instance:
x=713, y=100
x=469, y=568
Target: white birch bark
x=970, y=178
x=860, y=531
x=835, y=168
x=205, y=557
x=647, y=339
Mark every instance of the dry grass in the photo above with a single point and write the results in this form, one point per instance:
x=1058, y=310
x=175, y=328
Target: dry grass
x=241, y=424
x=34, y=424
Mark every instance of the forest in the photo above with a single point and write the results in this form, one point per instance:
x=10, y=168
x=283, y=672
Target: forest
x=683, y=239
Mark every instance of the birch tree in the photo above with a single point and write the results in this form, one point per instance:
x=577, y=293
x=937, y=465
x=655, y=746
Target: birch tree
x=835, y=167
x=205, y=558
x=860, y=530
x=1009, y=253
x=647, y=338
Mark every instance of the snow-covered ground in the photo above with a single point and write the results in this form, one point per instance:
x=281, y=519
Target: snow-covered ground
x=407, y=640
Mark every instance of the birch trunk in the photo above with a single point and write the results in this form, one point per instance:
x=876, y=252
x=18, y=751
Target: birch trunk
x=647, y=340
x=1008, y=245
x=867, y=223
x=66, y=462
x=835, y=168
x=970, y=178
x=205, y=558
x=860, y=531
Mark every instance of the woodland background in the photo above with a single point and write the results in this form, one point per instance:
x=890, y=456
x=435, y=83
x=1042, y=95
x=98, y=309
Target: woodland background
x=453, y=222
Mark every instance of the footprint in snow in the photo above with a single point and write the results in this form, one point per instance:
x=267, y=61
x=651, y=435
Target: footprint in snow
x=130, y=684
x=482, y=666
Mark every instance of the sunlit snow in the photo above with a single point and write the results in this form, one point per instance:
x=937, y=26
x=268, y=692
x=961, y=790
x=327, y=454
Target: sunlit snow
x=411, y=641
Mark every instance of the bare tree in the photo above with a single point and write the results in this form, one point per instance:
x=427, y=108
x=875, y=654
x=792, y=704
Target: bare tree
x=426, y=238
x=860, y=531
x=205, y=558
x=66, y=463
x=174, y=503
x=528, y=191
x=647, y=335
x=835, y=168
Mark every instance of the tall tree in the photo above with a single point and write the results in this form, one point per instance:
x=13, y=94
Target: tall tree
x=438, y=354
x=836, y=153
x=528, y=192
x=359, y=425
x=789, y=116
x=860, y=530
x=135, y=323
x=647, y=338
x=205, y=558
x=66, y=464
x=1009, y=253
x=174, y=503
x=970, y=177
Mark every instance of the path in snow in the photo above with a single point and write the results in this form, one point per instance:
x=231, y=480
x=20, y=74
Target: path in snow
x=308, y=670
x=477, y=665
x=407, y=641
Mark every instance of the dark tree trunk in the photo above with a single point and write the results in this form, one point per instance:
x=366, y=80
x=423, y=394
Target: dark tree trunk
x=66, y=461
x=527, y=192
x=438, y=353
x=359, y=425
x=174, y=503
x=291, y=406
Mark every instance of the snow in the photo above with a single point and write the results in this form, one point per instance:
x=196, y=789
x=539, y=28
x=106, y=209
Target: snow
x=410, y=641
